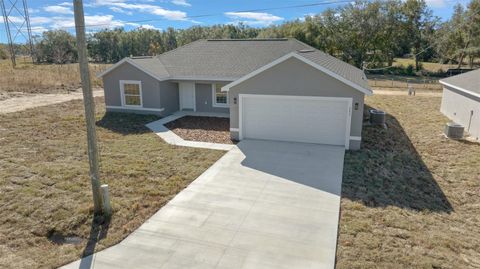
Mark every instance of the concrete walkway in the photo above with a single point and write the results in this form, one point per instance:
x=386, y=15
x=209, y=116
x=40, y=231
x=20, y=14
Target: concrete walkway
x=31, y=101
x=262, y=205
x=158, y=127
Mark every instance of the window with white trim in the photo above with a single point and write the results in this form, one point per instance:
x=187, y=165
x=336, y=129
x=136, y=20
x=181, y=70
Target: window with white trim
x=131, y=92
x=219, y=98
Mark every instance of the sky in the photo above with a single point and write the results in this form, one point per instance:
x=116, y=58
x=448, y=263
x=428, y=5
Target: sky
x=161, y=14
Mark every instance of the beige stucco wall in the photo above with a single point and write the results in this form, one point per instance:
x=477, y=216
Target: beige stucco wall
x=294, y=77
x=458, y=107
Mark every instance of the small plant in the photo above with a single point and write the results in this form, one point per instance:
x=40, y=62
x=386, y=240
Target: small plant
x=410, y=70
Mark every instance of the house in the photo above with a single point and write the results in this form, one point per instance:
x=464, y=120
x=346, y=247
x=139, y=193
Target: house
x=461, y=101
x=277, y=89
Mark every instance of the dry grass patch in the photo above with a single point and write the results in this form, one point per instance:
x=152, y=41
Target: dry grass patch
x=432, y=67
x=45, y=188
x=42, y=78
x=410, y=197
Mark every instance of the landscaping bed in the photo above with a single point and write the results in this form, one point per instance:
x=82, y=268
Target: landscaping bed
x=45, y=193
x=203, y=129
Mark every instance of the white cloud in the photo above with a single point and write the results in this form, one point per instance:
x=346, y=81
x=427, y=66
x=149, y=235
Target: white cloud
x=41, y=24
x=119, y=10
x=149, y=26
x=38, y=29
x=253, y=18
x=436, y=3
x=58, y=10
x=66, y=4
x=181, y=3
x=145, y=8
x=40, y=20
x=33, y=10
x=99, y=21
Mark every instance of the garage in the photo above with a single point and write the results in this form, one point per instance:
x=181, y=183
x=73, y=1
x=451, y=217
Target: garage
x=307, y=119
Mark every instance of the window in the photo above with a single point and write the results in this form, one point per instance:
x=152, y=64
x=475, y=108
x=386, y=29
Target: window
x=220, y=98
x=131, y=92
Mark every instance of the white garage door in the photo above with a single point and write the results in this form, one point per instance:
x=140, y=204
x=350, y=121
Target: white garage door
x=322, y=120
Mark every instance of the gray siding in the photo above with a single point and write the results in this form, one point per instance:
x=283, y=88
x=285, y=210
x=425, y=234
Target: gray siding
x=169, y=97
x=293, y=77
x=150, y=86
x=458, y=106
x=204, y=99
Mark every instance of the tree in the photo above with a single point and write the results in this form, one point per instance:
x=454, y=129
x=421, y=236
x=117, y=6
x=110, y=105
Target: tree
x=57, y=46
x=470, y=32
x=419, y=24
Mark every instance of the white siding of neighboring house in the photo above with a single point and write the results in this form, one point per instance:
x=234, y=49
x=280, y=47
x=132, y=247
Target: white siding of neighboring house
x=458, y=107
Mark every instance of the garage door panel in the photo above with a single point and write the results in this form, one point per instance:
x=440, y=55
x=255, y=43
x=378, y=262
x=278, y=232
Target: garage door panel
x=309, y=120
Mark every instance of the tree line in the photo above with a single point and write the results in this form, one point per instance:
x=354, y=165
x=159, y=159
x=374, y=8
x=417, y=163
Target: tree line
x=365, y=33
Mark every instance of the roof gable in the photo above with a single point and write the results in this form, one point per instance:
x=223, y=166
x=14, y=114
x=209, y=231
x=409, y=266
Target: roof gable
x=467, y=82
x=363, y=87
x=151, y=67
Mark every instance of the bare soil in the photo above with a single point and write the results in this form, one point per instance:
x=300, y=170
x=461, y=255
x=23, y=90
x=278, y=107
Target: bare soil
x=27, y=101
x=203, y=129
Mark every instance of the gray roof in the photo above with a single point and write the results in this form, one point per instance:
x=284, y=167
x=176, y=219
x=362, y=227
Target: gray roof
x=337, y=66
x=231, y=59
x=469, y=81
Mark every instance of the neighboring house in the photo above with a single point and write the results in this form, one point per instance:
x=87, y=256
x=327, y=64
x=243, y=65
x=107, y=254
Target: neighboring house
x=277, y=89
x=461, y=101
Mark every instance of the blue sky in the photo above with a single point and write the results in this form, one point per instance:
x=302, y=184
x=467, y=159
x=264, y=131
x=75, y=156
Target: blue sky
x=161, y=14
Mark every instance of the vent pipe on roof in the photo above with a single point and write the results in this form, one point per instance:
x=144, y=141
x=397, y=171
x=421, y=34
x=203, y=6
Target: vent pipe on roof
x=306, y=50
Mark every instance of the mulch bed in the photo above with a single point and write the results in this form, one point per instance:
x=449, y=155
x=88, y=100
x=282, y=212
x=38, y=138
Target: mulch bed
x=203, y=129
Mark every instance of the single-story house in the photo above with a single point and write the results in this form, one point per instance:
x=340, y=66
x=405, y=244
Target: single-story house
x=461, y=101
x=277, y=89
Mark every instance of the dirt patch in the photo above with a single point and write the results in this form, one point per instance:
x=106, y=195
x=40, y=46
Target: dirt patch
x=27, y=101
x=203, y=129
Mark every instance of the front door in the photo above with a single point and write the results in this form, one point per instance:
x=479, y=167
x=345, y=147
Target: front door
x=187, y=95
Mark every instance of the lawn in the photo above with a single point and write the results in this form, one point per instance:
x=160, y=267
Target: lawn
x=28, y=78
x=410, y=197
x=45, y=193
x=429, y=66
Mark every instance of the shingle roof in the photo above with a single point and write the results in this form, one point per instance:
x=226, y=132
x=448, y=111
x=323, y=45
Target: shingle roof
x=469, y=81
x=338, y=67
x=230, y=59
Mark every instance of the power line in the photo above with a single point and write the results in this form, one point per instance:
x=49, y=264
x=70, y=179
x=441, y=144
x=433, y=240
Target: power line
x=428, y=47
x=220, y=14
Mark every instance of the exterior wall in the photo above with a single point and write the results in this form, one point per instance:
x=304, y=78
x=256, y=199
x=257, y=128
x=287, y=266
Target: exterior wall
x=204, y=99
x=294, y=77
x=458, y=107
x=150, y=89
x=169, y=97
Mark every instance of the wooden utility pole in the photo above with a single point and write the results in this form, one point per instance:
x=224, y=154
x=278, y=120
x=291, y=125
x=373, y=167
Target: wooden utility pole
x=89, y=104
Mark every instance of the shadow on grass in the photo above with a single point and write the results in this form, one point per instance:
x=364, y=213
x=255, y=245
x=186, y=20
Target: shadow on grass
x=388, y=171
x=98, y=231
x=126, y=123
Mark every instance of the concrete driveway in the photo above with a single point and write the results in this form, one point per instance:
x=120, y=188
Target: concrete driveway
x=264, y=204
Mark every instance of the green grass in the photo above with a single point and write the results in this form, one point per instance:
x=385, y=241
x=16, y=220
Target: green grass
x=410, y=197
x=45, y=188
x=429, y=66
